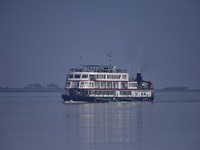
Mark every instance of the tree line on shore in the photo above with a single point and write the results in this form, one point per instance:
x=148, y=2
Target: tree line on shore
x=34, y=87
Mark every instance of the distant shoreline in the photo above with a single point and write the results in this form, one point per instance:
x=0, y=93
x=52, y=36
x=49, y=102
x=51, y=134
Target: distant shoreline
x=31, y=90
x=173, y=90
x=177, y=89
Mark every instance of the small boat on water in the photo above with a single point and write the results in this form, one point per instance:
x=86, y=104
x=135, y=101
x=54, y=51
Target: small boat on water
x=96, y=83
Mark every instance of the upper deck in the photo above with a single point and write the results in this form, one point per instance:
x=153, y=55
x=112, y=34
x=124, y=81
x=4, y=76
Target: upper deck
x=97, y=68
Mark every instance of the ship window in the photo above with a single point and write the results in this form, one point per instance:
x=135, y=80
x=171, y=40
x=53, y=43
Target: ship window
x=123, y=85
x=97, y=92
x=109, y=85
x=91, y=84
x=92, y=77
x=117, y=76
x=101, y=76
x=124, y=77
x=68, y=84
x=131, y=84
x=86, y=84
x=77, y=76
x=85, y=76
x=82, y=84
x=103, y=84
x=125, y=92
x=75, y=84
x=106, y=93
x=109, y=76
x=97, y=84
x=71, y=75
x=113, y=76
x=115, y=85
x=90, y=92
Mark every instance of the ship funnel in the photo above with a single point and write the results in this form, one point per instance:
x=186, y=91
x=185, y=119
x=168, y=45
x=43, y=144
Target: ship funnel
x=139, y=79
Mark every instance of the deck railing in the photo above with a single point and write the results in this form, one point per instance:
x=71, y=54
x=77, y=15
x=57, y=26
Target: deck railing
x=98, y=70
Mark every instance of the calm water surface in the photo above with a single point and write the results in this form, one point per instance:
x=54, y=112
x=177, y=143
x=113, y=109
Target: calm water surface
x=39, y=121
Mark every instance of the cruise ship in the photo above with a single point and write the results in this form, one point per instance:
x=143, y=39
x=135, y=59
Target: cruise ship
x=96, y=83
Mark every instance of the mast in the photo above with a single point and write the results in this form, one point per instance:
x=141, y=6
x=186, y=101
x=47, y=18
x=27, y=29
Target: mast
x=110, y=55
x=81, y=63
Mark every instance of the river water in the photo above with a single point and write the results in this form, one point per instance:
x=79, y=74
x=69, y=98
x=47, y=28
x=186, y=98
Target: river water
x=41, y=121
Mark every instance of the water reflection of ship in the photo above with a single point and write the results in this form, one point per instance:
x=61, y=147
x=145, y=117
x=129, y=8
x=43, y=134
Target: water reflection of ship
x=113, y=124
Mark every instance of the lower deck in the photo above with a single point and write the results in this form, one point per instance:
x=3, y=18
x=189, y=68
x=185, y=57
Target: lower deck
x=110, y=93
x=67, y=98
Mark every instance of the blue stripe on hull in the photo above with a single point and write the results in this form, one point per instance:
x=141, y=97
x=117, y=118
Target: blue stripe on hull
x=105, y=99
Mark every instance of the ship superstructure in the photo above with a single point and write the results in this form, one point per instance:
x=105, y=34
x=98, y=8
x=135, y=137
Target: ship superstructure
x=94, y=83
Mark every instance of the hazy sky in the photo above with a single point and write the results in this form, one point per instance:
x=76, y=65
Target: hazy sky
x=41, y=39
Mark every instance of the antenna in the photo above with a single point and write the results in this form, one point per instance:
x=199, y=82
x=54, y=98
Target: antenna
x=81, y=61
x=110, y=55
